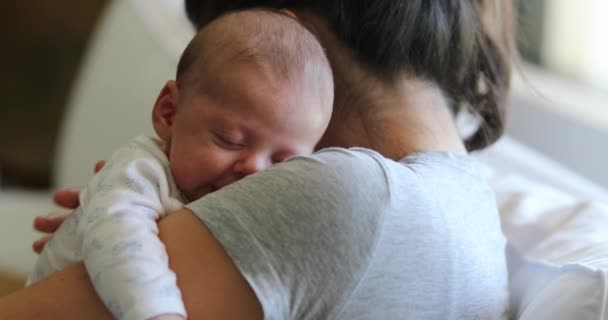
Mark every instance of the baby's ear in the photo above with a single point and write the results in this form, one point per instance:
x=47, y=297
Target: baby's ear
x=165, y=109
x=289, y=13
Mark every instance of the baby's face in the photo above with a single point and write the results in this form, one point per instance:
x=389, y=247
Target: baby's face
x=252, y=123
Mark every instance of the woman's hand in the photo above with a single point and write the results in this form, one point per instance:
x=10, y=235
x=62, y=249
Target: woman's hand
x=66, y=198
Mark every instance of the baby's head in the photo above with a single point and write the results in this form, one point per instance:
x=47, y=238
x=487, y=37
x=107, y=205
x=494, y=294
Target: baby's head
x=252, y=88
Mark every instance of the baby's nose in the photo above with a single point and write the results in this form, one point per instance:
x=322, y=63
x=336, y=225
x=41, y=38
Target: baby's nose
x=252, y=164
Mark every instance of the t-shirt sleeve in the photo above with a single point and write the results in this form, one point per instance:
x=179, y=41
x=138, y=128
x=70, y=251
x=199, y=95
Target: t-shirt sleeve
x=302, y=232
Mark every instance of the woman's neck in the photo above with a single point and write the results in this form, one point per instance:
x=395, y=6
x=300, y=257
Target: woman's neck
x=398, y=118
x=410, y=117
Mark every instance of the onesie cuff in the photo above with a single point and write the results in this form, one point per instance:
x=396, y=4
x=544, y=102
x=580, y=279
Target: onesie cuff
x=156, y=307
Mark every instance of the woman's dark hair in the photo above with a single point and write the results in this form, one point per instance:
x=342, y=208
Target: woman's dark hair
x=465, y=46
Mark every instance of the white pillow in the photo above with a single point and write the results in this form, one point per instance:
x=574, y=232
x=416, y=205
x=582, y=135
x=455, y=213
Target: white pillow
x=558, y=251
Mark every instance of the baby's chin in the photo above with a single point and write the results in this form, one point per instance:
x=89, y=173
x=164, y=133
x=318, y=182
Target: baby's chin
x=192, y=195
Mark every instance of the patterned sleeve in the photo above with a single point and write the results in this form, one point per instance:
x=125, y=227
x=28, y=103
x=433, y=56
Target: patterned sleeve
x=126, y=260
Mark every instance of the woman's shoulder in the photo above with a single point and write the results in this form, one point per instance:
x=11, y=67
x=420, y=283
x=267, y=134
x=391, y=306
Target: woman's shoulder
x=341, y=160
x=287, y=228
x=334, y=174
x=349, y=171
x=353, y=153
x=362, y=169
x=358, y=157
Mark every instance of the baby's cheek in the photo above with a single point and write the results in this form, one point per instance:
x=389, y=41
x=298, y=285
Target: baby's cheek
x=180, y=175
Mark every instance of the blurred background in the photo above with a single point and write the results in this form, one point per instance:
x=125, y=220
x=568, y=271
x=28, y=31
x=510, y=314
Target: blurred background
x=42, y=48
x=44, y=42
x=559, y=104
x=60, y=55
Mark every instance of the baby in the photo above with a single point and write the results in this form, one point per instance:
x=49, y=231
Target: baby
x=253, y=88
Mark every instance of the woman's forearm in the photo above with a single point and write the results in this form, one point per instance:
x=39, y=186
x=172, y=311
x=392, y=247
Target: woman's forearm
x=67, y=294
x=211, y=285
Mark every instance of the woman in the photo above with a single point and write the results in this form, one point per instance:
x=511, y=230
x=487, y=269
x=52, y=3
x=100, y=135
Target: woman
x=404, y=228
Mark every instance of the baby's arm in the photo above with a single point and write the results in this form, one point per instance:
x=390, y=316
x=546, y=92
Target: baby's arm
x=168, y=317
x=123, y=255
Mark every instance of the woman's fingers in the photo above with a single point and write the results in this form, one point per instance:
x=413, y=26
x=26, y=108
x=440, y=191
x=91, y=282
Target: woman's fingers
x=39, y=244
x=99, y=164
x=50, y=223
x=67, y=198
x=47, y=224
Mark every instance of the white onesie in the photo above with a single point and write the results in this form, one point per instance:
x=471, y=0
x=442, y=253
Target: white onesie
x=114, y=232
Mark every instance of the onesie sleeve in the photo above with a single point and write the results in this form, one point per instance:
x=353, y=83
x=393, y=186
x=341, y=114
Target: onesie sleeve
x=124, y=257
x=302, y=233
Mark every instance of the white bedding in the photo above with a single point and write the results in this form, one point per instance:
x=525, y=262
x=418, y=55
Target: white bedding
x=509, y=159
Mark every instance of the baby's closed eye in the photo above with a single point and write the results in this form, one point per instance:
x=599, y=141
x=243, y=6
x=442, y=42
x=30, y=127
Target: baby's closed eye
x=227, y=141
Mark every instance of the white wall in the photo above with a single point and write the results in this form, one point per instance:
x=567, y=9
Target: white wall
x=575, y=41
x=17, y=212
x=122, y=73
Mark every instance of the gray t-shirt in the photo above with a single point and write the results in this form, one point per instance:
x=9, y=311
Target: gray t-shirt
x=349, y=234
